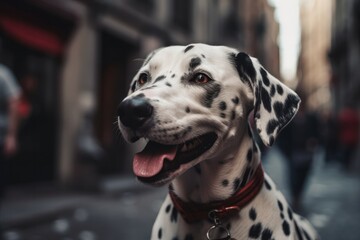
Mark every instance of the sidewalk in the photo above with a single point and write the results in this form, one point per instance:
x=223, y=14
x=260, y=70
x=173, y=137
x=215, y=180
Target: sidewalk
x=57, y=210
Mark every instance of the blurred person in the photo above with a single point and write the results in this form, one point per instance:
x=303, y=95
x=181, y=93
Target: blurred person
x=29, y=106
x=348, y=135
x=298, y=142
x=330, y=137
x=33, y=120
x=9, y=97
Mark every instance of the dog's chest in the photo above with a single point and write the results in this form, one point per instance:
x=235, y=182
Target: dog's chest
x=267, y=217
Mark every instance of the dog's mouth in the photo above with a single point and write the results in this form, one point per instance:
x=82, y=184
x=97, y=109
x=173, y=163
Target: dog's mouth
x=158, y=163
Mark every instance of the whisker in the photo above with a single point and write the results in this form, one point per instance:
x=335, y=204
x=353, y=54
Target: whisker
x=117, y=132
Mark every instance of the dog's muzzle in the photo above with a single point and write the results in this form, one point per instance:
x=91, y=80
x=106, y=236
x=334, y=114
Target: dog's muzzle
x=135, y=112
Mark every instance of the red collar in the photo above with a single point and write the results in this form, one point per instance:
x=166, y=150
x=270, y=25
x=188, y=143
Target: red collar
x=193, y=212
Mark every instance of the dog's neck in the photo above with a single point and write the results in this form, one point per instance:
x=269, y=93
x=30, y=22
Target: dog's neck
x=218, y=178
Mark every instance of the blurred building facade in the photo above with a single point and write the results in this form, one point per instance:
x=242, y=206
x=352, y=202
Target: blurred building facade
x=344, y=54
x=313, y=71
x=85, y=62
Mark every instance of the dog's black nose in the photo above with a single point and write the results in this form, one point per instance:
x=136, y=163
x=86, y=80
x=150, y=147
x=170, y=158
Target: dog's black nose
x=134, y=112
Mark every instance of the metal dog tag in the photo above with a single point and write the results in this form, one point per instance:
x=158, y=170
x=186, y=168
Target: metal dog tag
x=217, y=226
x=221, y=228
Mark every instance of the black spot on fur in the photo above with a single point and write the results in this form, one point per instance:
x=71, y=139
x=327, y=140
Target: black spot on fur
x=159, y=78
x=223, y=115
x=189, y=237
x=160, y=233
x=249, y=155
x=290, y=214
x=225, y=183
x=267, y=185
x=282, y=215
x=288, y=112
x=236, y=184
x=168, y=208
x=255, y=230
x=278, y=108
x=266, y=100
x=279, y=89
x=264, y=77
x=257, y=100
x=222, y=105
x=188, y=48
x=235, y=100
x=281, y=207
x=174, y=215
x=272, y=90
x=168, y=84
x=286, y=228
x=203, y=55
x=194, y=62
x=172, y=76
x=291, y=102
x=187, y=109
x=266, y=234
x=252, y=214
x=212, y=92
x=244, y=66
x=272, y=124
x=298, y=232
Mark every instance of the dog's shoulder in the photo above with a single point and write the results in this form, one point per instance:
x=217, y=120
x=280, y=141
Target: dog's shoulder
x=271, y=216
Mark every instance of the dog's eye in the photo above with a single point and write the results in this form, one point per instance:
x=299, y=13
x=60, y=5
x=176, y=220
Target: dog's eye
x=143, y=78
x=200, y=78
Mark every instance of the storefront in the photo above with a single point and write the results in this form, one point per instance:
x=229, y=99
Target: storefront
x=32, y=44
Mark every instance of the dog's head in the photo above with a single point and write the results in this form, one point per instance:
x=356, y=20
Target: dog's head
x=191, y=101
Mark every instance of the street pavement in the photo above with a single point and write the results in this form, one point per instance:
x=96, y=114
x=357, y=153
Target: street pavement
x=63, y=215
x=331, y=202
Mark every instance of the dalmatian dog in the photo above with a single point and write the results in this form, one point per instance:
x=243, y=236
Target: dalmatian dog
x=192, y=105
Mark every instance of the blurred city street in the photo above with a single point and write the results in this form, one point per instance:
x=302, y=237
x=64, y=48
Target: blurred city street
x=126, y=209
x=66, y=173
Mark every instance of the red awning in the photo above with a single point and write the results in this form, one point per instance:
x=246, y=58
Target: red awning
x=32, y=35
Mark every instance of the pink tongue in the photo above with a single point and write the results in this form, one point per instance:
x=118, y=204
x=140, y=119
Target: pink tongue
x=149, y=161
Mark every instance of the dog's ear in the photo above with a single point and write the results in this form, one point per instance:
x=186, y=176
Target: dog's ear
x=275, y=104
